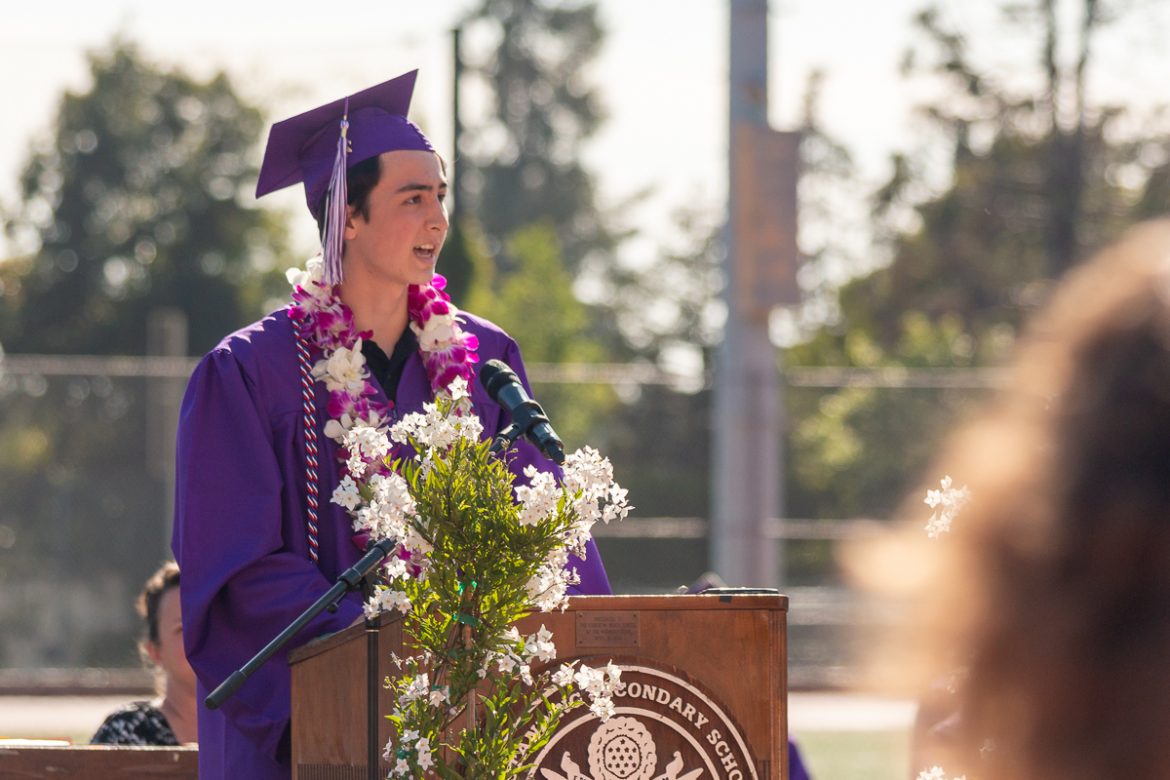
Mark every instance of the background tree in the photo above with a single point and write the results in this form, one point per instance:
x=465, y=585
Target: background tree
x=1038, y=179
x=525, y=156
x=137, y=204
x=536, y=301
x=136, y=199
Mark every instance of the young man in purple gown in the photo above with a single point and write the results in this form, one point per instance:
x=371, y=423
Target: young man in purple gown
x=256, y=536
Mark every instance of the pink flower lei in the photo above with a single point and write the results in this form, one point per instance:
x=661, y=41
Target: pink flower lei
x=447, y=351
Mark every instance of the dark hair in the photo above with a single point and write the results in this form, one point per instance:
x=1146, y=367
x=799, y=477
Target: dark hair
x=157, y=584
x=360, y=179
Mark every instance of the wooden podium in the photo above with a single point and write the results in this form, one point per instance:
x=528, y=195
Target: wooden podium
x=97, y=762
x=704, y=692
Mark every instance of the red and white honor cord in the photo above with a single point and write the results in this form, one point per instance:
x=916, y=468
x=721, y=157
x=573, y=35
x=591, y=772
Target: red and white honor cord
x=309, y=418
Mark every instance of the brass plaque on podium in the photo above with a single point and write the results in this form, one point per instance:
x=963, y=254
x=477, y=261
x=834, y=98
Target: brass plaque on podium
x=608, y=629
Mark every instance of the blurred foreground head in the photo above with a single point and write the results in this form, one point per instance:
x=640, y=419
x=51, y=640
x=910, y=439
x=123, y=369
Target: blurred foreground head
x=1049, y=602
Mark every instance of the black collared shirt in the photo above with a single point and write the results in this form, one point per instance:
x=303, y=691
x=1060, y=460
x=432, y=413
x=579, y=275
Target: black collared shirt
x=387, y=371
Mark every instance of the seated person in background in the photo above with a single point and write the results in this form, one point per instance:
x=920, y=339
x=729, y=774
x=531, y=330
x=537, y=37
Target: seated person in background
x=170, y=721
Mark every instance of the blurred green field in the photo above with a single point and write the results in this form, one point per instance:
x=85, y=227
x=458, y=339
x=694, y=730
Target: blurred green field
x=829, y=755
x=855, y=752
x=856, y=755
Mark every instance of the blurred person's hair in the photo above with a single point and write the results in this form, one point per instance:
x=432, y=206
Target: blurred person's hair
x=147, y=604
x=1052, y=591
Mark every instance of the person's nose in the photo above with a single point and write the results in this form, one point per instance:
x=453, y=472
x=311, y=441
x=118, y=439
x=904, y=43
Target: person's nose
x=437, y=219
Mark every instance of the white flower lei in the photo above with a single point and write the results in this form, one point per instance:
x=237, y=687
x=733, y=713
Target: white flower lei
x=358, y=420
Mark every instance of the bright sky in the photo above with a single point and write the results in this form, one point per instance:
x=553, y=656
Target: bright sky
x=662, y=74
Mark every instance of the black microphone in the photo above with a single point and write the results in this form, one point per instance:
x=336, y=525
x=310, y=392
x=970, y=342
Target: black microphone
x=528, y=419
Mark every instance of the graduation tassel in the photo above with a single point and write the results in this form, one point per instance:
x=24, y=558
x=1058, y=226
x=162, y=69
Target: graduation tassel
x=336, y=210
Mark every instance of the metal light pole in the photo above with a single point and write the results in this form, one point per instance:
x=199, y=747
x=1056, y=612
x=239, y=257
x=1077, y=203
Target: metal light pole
x=457, y=124
x=747, y=492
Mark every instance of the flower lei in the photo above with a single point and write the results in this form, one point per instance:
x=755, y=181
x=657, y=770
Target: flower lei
x=447, y=353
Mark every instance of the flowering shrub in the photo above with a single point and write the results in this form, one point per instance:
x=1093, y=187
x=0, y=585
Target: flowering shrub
x=475, y=554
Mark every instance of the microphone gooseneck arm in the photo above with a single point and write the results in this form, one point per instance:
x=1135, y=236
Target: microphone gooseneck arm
x=350, y=579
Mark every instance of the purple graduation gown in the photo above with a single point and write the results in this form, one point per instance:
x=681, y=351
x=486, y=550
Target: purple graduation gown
x=240, y=535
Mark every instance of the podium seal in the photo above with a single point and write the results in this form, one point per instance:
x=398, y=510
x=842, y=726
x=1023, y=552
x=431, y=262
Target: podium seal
x=664, y=727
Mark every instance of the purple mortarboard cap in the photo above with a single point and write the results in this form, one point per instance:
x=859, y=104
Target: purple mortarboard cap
x=304, y=148
x=319, y=146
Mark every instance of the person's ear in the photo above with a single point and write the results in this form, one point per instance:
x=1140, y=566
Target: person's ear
x=153, y=651
x=352, y=218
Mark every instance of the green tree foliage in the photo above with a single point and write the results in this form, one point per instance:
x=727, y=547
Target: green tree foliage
x=1039, y=178
x=525, y=159
x=536, y=303
x=672, y=302
x=670, y=313
x=136, y=203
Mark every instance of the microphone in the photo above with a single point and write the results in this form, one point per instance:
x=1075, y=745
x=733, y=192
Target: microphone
x=528, y=419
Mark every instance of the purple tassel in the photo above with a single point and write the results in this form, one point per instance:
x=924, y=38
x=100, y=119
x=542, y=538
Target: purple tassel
x=335, y=211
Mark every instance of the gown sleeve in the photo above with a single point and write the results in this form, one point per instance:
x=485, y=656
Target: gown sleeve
x=243, y=580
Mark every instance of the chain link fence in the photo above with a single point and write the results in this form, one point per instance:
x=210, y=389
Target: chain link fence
x=86, y=475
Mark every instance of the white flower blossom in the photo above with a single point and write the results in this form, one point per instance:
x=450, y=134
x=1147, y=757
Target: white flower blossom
x=936, y=773
x=438, y=696
x=346, y=494
x=589, y=680
x=563, y=676
x=602, y=707
x=540, y=646
x=386, y=599
x=314, y=271
x=599, y=686
x=539, y=498
x=589, y=478
x=617, y=507
x=344, y=370
x=391, y=509
x=416, y=545
x=437, y=332
x=394, y=568
x=335, y=429
x=356, y=465
x=425, y=761
x=457, y=390
x=951, y=500
x=406, y=427
x=470, y=427
x=419, y=688
x=548, y=588
x=369, y=440
x=576, y=537
x=506, y=662
x=431, y=429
